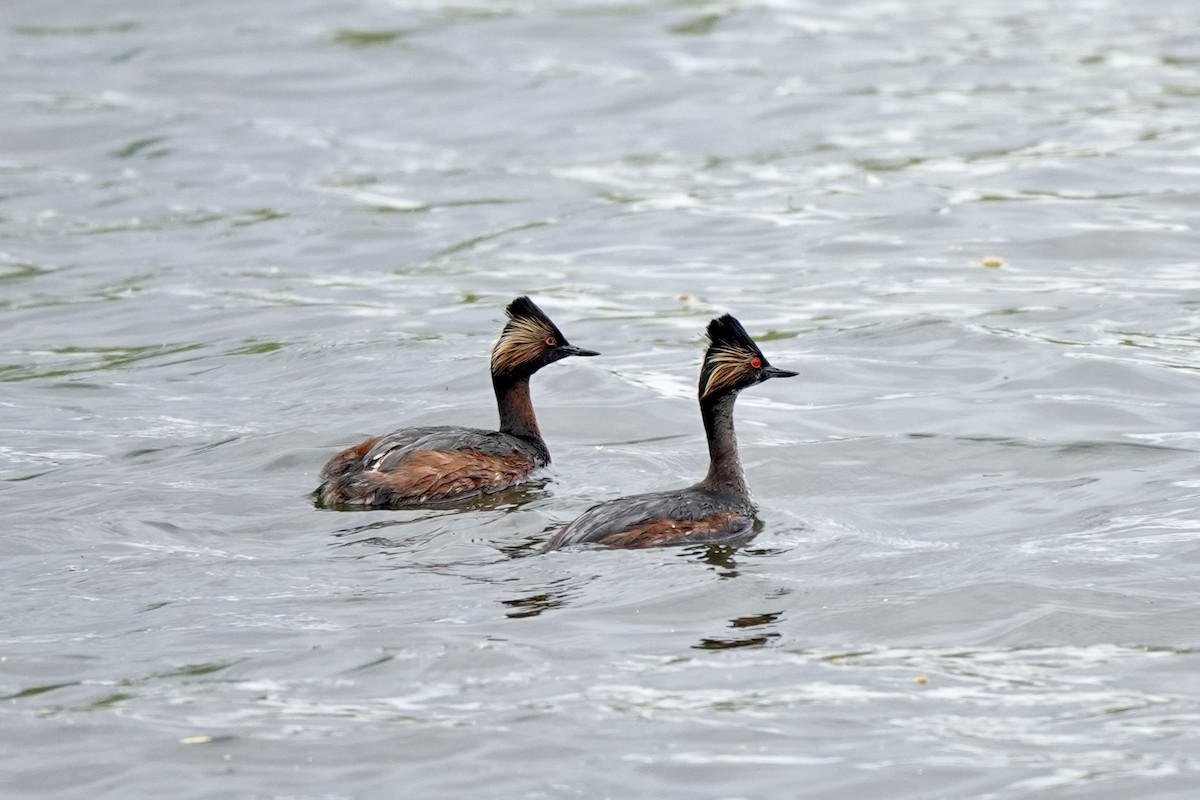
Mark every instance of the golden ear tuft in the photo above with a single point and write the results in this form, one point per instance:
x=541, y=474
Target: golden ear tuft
x=522, y=340
x=724, y=366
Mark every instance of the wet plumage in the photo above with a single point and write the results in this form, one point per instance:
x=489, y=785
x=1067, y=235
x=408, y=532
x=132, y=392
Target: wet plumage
x=717, y=509
x=422, y=465
x=686, y=516
x=414, y=466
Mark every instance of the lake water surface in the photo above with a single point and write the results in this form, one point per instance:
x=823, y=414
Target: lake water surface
x=237, y=236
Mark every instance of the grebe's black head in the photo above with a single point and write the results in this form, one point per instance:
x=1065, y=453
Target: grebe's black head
x=733, y=361
x=529, y=341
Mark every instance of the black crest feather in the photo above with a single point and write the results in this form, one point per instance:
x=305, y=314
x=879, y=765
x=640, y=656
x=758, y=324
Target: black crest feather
x=525, y=309
x=727, y=361
x=726, y=332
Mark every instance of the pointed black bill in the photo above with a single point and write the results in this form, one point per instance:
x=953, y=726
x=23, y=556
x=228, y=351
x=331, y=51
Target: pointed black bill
x=572, y=350
x=776, y=372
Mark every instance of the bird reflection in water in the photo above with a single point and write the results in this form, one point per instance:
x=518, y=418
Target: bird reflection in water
x=758, y=639
x=505, y=502
x=534, y=604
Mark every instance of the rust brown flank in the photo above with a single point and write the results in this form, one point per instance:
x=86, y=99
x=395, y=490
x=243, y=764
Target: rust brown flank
x=728, y=364
x=442, y=475
x=348, y=459
x=522, y=340
x=668, y=531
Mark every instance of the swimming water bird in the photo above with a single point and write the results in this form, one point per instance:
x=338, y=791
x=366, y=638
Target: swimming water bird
x=414, y=466
x=718, y=508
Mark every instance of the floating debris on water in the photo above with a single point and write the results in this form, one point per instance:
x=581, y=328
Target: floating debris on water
x=196, y=740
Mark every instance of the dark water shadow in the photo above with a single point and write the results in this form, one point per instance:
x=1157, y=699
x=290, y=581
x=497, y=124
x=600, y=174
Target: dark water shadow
x=534, y=545
x=532, y=605
x=757, y=639
x=721, y=555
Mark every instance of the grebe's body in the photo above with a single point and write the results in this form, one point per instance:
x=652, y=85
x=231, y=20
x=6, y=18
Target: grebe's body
x=718, y=508
x=415, y=466
x=687, y=516
x=423, y=465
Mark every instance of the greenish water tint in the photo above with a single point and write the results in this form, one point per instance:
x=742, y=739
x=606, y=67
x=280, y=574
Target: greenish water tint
x=92, y=360
x=365, y=38
x=235, y=238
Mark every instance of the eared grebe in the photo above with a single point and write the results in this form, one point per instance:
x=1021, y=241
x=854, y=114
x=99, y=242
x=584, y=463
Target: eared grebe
x=718, y=508
x=432, y=464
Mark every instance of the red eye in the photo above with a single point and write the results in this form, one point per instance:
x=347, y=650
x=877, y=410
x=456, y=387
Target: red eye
x=551, y=341
x=756, y=362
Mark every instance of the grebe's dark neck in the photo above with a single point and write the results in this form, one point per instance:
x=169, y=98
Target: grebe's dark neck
x=516, y=410
x=724, y=467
